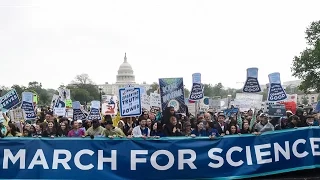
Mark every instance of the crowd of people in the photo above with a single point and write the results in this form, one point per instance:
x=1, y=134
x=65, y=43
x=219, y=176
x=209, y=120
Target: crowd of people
x=170, y=124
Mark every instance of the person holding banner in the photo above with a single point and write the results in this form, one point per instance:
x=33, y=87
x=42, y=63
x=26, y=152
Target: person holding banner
x=76, y=131
x=111, y=131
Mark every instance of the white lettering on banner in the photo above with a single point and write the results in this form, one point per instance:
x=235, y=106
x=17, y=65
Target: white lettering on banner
x=172, y=95
x=64, y=159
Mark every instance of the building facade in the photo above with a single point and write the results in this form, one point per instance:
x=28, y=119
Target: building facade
x=124, y=77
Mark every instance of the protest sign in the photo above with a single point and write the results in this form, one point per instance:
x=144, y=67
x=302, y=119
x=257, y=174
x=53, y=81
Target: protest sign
x=276, y=91
x=77, y=112
x=252, y=84
x=17, y=115
x=130, y=102
x=197, y=88
x=145, y=102
x=9, y=100
x=59, y=108
x=109, y=105
x=94, y=111
x=172, y=94
x=277, y=110
x=27, y=105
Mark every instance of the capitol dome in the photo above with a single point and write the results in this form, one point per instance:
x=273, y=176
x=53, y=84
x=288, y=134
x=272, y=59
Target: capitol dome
x=125, y=72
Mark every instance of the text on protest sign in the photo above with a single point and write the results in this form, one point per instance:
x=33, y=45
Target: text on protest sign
x=252, y=84
x=27, y=105
x=9, y=100
x=130, y=102
x=172, y=93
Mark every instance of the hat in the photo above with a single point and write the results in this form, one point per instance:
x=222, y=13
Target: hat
x=310, y=116
x=263, y=115
x=79, y=121
x=288, y=111
x=221, y=114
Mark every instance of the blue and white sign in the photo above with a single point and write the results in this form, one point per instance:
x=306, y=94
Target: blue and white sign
x=27, y=105
x=130, y=102
x=228, y=157
x=277, y=110
x=197, y=88
x=95, y=111
x=276, y=91
x=77, y=112
x=9, y=100
x=252, y=84
x=59, y=108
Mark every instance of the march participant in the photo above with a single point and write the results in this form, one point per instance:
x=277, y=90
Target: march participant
x=141, y=130
x=111, y=131
x=264, y=125
x=172, y=128
x=76, y=131
x=221, y=126
x=95, y=130
x=309, y=121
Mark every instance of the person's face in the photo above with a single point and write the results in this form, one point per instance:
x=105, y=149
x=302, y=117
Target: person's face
x=155, y=126
x=8, y=128
x=79, y=124
x=200, y=125
x=149, y=122
x=245, y=121
x=38, y=128
x=63, y=126
x=27, y=126
x=249, y=113
x=32, y=129
x=171, y=111
x=50, y=125
x=25, y=133
x=264, y=120
x=174, y=121
x=47, y=117
x=310, y=121
x=143, y=123
x=233, y=129
x=145, y=115
x=152, y=116
x=75, y=125
x=108, y=126
x=188, y=127
x=221, y=119
x=120, y=125
x=246, y=125
x=207, y=117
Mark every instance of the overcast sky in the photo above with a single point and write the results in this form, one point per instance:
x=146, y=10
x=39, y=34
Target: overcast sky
x=53, y=41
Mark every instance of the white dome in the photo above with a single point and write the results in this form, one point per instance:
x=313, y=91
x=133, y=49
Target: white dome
x=125, y=72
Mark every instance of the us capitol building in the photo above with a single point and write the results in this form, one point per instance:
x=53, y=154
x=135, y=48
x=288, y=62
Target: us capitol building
x=125, y=76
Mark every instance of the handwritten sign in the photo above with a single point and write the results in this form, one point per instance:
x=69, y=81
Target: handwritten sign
x=276, y=91
x=155, y=100
x=94, y=111
x=145, y=102
x=9, y=100
x=17, y=115
x=130, y=102
x=252, y=85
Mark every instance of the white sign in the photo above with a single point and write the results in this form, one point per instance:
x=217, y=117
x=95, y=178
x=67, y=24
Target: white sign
x=145, y=102
x=64, y=93
x=109, y=105
x=246, y=101
x=17, y=115
x=130, y=102
x=155, y=100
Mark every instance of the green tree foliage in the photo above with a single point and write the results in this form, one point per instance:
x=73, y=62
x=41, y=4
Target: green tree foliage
x=83, y=89
x=153, y=87
x=306, y=66
x=186, y=93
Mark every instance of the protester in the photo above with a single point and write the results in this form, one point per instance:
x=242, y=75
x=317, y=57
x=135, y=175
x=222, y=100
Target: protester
x=141, y=130
x=156, y=130
x=172, y=128
x=264, y=125
x=76, y=131
x=95, y=130
x=110, y=131
x=50, y=130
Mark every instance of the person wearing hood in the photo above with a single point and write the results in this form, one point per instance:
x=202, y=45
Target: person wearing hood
x=310, y=121
x=172, y=128
x=168, y=112
x=95, y=130
x=293, y=122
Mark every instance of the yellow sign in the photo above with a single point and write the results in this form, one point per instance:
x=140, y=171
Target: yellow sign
x=35, y=99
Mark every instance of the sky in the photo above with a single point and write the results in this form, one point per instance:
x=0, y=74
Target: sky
x=53, y=41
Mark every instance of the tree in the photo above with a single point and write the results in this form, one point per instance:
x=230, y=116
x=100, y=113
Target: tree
x=208, y=90
x=153, y=87
x=306, y=66
x=186, y=93
x=82, y=79
x=19, y=89
x=83, y=86
x=304, y=101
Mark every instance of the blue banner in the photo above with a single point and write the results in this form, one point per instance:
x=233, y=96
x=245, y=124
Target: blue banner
x=252, y=84
x=229, y=112
x=9, y=100
x=227, y=157
x=197, y=88
x=276, y=91
x=27, y=105
x=94, y=111
x=77, y=112
x=130, y=102
x=172, y=94
x=277, y=110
